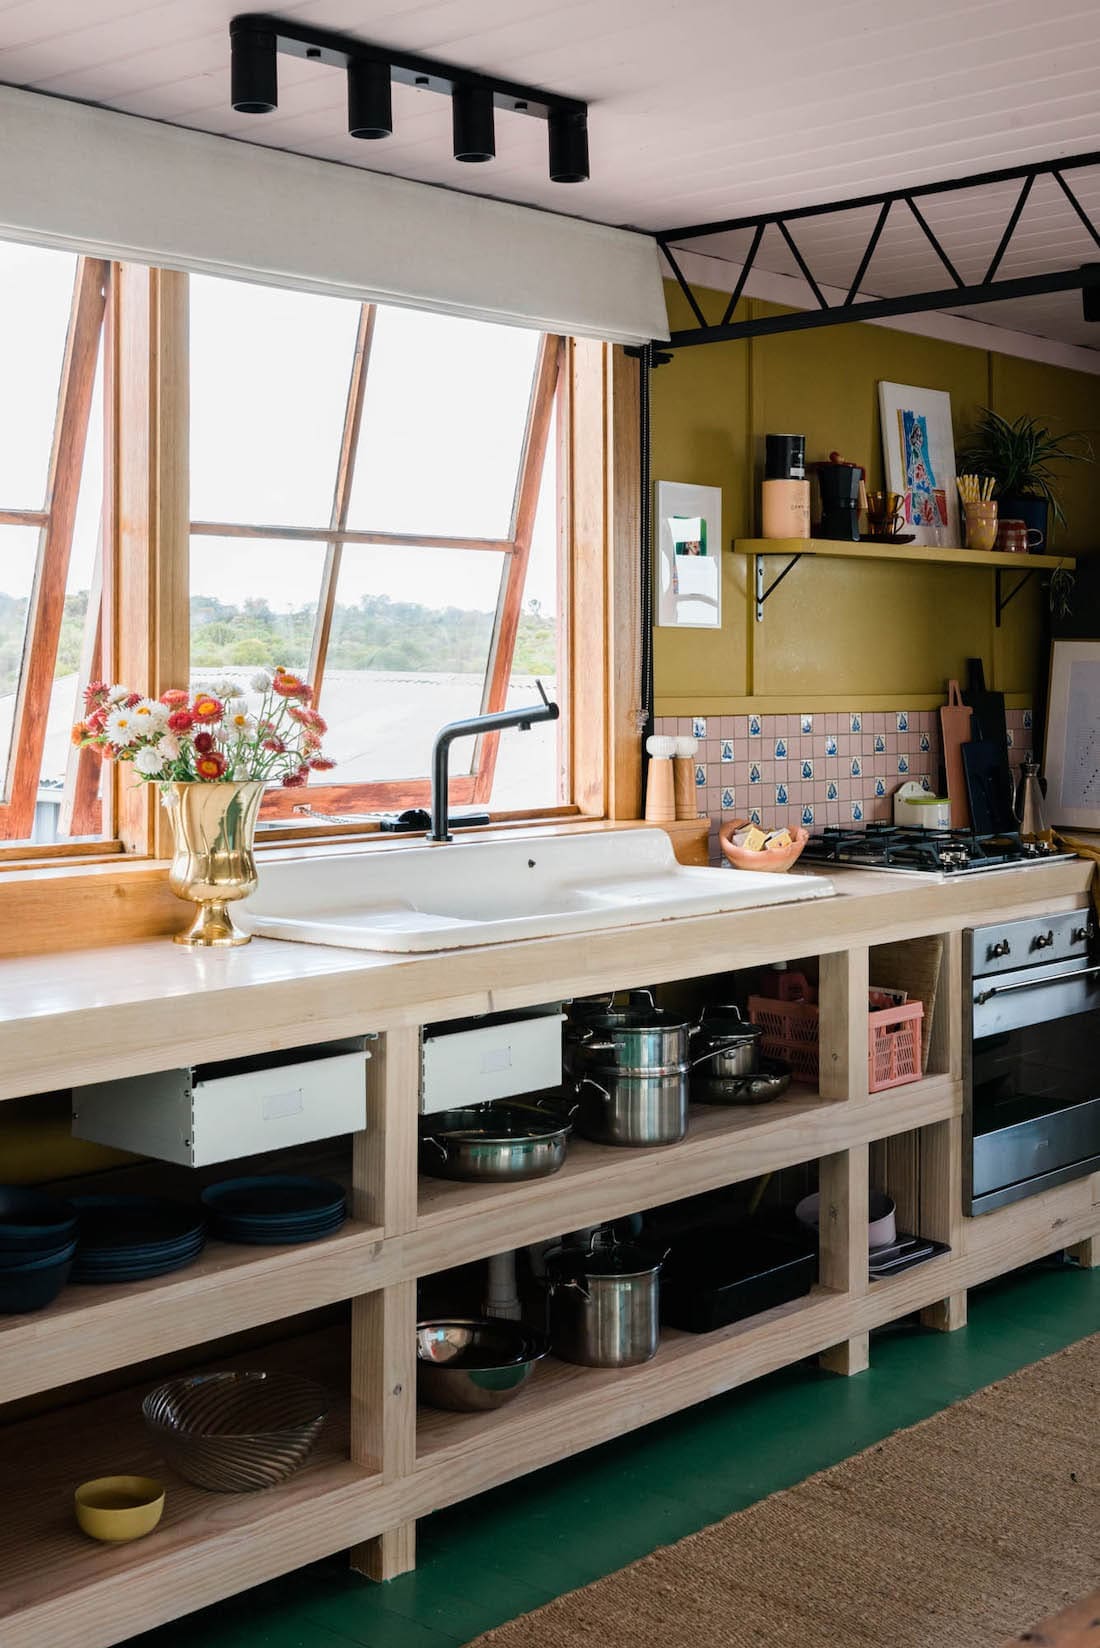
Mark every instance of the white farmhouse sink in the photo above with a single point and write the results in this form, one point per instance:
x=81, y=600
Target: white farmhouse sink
x=449, y=896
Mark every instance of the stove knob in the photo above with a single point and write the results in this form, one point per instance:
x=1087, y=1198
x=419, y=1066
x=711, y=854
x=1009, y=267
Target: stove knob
x=1003, y=948
x=1081, y=935
x=1042, y=941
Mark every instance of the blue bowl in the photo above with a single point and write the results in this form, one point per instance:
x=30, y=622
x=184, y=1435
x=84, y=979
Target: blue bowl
x=32, y=1221
x=32, y=1288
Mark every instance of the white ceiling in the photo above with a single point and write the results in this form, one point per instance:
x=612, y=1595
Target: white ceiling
x=700, y=109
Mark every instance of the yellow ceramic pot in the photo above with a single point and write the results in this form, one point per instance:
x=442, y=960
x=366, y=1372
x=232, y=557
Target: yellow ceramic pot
x=214, y=827
x=119, y=1508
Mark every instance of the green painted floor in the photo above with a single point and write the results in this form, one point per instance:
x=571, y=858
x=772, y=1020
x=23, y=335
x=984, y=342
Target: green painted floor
x=513, y=1549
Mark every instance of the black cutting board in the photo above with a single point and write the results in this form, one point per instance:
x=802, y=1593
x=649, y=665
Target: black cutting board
x=988, y=707
x=988, y=787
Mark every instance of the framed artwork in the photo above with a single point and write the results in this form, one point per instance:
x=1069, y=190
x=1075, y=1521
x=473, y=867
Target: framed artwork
x=918, y=451
x=1072, y=747
x=689, y=555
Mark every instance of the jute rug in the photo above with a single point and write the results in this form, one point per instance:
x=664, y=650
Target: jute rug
x=957, y=1533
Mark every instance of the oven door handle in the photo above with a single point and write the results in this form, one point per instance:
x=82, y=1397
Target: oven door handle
x=1033, y=984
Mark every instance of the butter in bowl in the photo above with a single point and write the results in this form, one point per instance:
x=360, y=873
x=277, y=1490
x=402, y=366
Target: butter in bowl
x=748, y=847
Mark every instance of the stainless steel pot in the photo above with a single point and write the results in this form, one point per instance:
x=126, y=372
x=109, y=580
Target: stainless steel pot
x=604, y=1304
x=628, y=1107
x=494, y=1144
x=730, y=1044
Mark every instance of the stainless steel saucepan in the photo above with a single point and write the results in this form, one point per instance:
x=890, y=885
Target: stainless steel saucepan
x=604, y=1303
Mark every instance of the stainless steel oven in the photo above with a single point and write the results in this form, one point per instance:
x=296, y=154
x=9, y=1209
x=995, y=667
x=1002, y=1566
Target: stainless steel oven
x=1032, y=1058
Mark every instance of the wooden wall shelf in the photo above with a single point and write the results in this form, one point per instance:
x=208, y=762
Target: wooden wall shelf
x=793, y=550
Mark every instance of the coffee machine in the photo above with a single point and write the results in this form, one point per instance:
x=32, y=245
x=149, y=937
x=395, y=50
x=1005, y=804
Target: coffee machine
x=840, y=485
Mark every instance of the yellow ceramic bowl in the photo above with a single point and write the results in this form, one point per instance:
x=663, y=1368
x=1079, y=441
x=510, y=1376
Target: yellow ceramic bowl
x=117, y=1508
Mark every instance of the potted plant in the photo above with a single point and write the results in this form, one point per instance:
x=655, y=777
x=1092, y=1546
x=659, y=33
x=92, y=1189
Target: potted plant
x=1019, y=456
x=213, y=752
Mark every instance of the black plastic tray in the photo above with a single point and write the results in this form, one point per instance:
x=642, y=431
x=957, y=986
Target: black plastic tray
x=722, y=1275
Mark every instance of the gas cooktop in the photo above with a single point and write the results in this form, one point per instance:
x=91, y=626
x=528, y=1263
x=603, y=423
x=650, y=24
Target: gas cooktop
x=909, y=850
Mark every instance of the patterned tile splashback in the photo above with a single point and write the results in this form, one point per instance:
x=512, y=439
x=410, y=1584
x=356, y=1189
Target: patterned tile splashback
x=817, y=769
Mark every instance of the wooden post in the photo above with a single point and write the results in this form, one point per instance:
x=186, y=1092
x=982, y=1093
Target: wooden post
x=383, y=1324
x=842, y=1029
x=940, y=1146
x=842, y=1179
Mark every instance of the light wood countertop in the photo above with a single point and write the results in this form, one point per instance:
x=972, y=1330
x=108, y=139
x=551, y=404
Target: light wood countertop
x=89, y=1015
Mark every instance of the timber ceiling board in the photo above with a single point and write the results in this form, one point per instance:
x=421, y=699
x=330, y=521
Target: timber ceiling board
x=700, y=109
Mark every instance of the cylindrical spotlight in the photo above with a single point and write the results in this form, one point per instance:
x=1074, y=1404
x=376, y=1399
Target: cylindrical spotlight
x=370, y=101
x=472, y=112
x=253, y=76
x=568, y=146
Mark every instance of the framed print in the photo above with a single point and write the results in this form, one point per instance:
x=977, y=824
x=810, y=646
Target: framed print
x=1072, y=748
x=918, y=452
x=689, y=555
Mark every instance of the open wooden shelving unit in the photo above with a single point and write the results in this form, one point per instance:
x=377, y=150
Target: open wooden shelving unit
x=381, y=1465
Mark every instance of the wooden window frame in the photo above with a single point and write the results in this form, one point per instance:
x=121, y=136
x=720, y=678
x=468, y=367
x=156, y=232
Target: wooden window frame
x=56, y=522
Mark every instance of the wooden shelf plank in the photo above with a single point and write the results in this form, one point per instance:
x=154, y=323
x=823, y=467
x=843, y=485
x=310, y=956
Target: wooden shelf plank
x=725, y=1145
x=928, y=554
x=230, y=1287
x=59, y=1589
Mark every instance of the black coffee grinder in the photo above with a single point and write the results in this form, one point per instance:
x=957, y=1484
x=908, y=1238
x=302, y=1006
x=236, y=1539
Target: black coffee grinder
x=840, y=486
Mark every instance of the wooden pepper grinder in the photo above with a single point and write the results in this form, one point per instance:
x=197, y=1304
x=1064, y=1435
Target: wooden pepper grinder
x=660, y=794
x=683, y=769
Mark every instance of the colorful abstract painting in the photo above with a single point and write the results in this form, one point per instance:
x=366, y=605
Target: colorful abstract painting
x=919, y=459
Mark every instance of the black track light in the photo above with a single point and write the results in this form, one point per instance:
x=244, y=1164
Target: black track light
x=472, y=113
x=1090, y=291
x=370, y=101
x=568, y=146
x=254, y=79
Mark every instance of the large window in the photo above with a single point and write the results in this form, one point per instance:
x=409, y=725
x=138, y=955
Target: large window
x=373, y=502
x=52, y=308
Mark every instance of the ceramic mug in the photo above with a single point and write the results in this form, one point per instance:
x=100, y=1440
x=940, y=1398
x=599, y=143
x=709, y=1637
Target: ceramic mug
x=981, y=525
x=1017, y=538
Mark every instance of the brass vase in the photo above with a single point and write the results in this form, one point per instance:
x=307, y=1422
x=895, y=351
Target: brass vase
x=214, y=827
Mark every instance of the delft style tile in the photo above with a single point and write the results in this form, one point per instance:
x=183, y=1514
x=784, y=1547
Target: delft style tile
x=754, y=726
x=754, y=774
x=926, y=783
x=807, y=769
x=855, y=722
x=1027, y=720
x=806, y=723
x=698, y=726
x=903, y=763
x=857, y=768
x=727, y=750
x=830, y=743
x=1008, y=736
x=880, y=744
x=857, y=812
x=831, y=791
x=807, y=816
x=700, y=776
x=781, y=795
x=781, y=749
x=880, y=787
x=925, y=743
x=903, y=721
x=754, y=817
x=727, y=798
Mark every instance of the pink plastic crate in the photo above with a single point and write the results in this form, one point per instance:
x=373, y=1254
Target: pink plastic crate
x=790, y=1033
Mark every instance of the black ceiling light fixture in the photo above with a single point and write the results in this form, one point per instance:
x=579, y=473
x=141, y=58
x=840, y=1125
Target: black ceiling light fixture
x=256, y=39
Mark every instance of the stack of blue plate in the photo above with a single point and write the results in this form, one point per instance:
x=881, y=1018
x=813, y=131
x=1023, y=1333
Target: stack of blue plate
x=275, y=1209
x=130, y=1238
x=37, y=1243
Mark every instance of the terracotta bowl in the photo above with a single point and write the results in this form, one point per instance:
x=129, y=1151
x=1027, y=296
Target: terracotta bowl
x=771, y=860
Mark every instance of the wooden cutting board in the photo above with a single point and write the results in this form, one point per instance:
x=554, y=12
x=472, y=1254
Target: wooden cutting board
x=955, y=727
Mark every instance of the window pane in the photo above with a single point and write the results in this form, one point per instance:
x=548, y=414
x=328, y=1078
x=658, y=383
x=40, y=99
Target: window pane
x=269, y=383
x=443, y=421
x=253, y=602
x=408, y=652
x=37, y=288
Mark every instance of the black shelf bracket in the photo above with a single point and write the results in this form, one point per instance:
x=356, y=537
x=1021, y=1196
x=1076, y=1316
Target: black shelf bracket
x=1004, y=600
x=762, y=591
x=888, y=204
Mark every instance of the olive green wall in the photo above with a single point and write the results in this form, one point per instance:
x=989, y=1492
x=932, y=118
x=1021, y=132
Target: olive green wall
x=842, y=634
